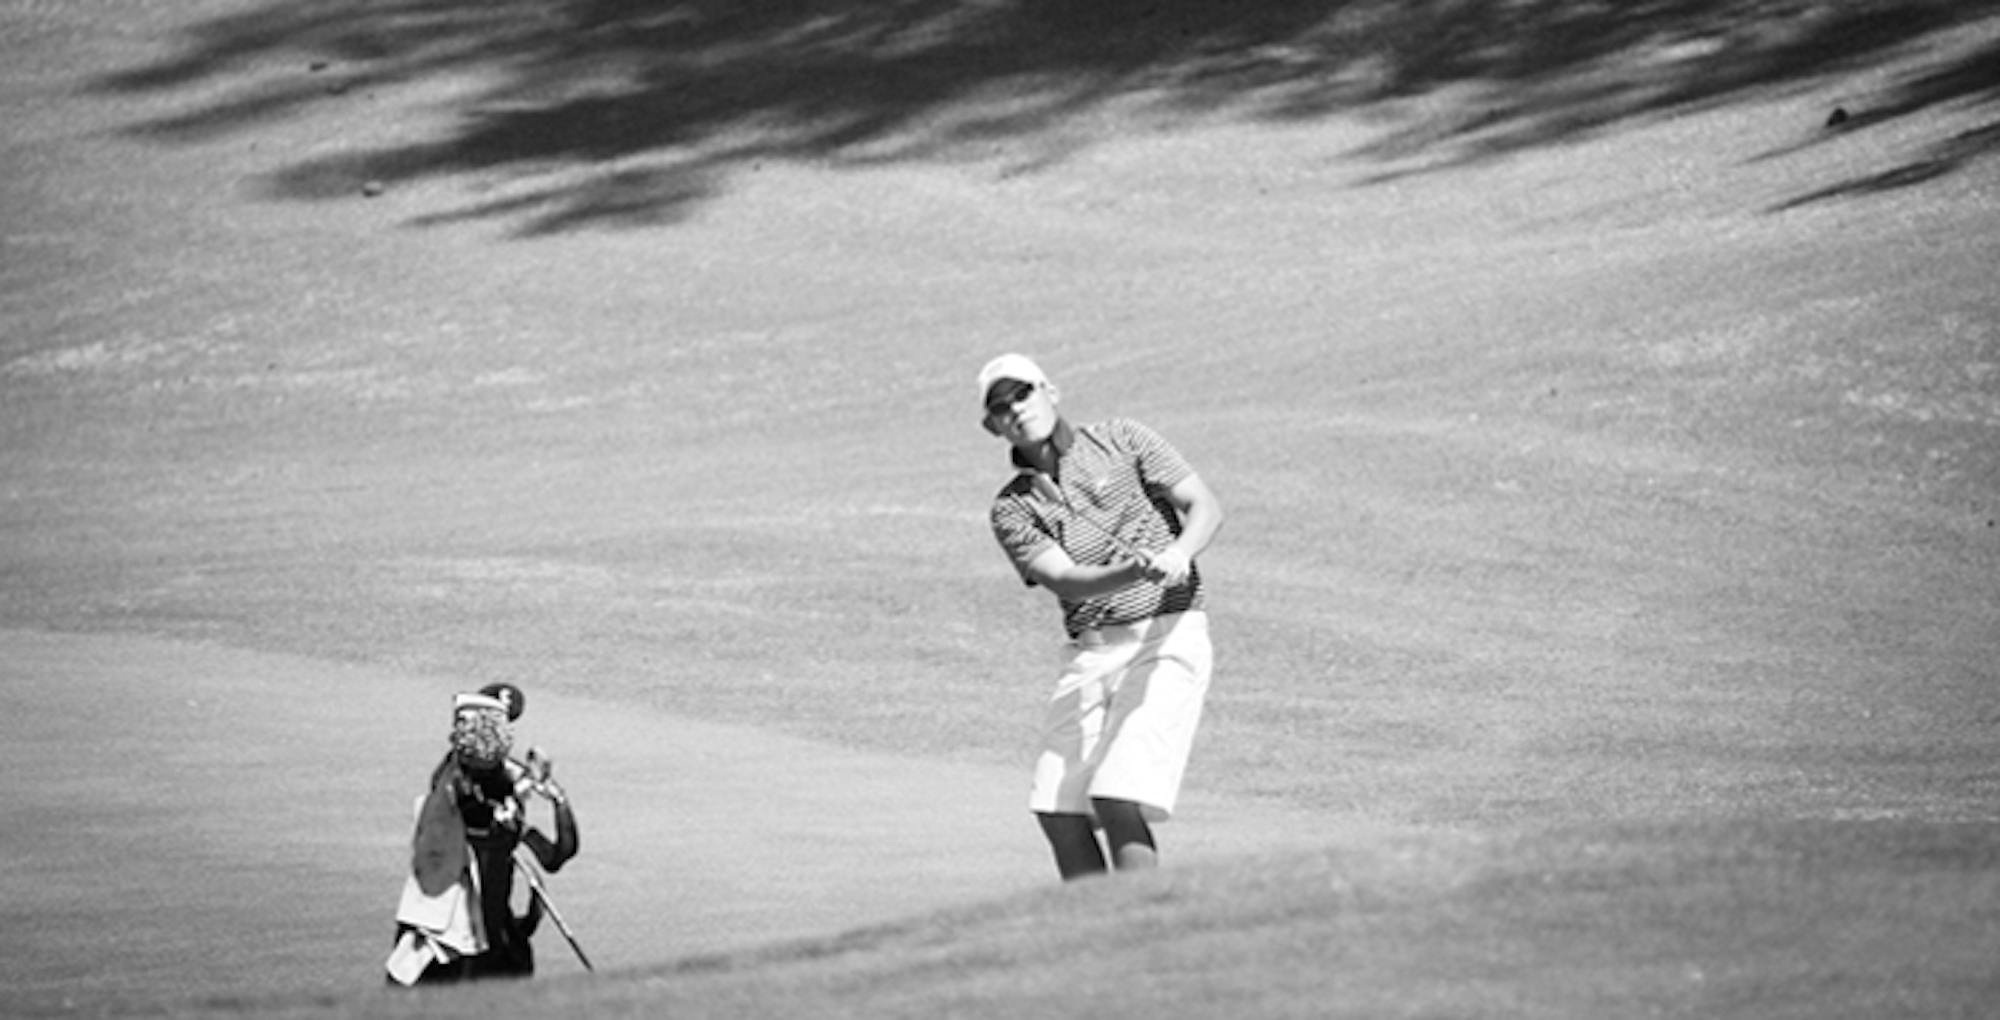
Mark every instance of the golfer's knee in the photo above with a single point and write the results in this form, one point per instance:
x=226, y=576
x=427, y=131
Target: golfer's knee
x=1128, y=834
x=1073, y=839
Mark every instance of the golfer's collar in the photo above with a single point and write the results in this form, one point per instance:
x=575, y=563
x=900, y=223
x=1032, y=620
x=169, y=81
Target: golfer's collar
x=1062, y=439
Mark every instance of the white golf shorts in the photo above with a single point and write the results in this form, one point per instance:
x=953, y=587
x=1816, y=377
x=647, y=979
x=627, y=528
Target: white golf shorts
x=1121, y=721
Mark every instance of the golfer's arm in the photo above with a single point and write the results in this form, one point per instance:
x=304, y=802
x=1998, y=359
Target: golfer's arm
x=554, y=853
x=1054, y=570
x=1201, y=514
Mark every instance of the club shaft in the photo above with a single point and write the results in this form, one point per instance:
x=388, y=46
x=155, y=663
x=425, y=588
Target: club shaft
x=532, y=873
x=1047, y=488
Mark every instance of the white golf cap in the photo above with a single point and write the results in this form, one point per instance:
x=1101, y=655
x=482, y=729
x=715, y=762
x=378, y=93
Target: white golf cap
x=1009, y=366
x=478, y=703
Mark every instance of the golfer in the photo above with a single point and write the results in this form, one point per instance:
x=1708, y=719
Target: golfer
x=1110, y=518
x=456, y=921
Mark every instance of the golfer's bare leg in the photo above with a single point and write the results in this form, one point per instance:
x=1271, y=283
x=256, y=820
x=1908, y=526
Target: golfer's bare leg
x=1131, y=838
x=1074, y=840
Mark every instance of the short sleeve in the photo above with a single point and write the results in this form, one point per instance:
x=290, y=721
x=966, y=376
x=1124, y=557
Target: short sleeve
x=1160, y=465
x=1021, y=532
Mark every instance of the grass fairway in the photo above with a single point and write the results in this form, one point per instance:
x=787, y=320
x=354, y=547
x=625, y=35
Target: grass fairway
x=1743, y=919
x=1606, y=618
x=1863, y=919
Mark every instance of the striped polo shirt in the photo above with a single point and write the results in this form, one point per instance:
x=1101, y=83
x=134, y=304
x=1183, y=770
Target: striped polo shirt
x=1113, y=477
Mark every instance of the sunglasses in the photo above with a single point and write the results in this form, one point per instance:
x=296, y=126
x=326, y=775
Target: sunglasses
x=1001, y=407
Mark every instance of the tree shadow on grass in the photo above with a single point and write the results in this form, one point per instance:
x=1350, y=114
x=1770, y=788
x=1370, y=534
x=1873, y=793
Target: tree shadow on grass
x=580, y=113
x=1973, y=78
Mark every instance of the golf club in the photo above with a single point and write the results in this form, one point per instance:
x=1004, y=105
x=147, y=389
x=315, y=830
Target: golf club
x=1046, y=487
x=531, y=870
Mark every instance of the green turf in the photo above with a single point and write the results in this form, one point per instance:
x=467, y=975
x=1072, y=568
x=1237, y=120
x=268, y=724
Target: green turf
x=1610, y=453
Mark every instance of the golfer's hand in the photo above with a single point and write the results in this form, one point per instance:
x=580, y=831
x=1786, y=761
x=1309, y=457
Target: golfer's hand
x=1168, y=567
x=540, y=765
